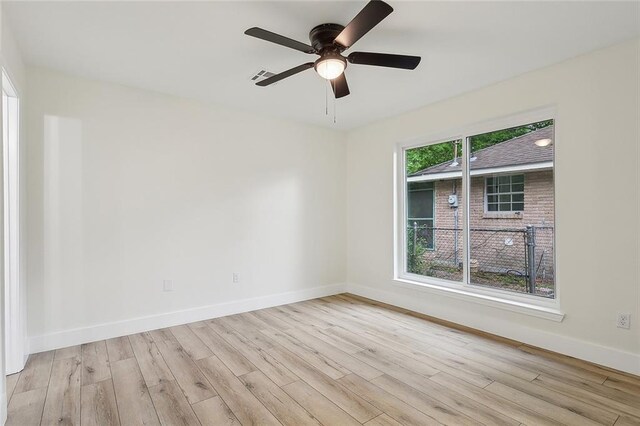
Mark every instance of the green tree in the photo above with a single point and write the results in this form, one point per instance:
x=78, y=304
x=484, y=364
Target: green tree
x=427, y=156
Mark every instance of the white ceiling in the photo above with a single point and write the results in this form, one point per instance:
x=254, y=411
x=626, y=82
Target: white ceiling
x=198, y=49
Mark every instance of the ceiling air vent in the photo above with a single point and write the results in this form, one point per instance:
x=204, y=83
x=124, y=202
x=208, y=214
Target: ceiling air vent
x=261, y=75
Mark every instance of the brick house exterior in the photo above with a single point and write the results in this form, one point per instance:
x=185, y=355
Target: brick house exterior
x=497, y=238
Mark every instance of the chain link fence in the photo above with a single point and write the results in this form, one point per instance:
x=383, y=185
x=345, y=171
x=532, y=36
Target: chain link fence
x=517, y=259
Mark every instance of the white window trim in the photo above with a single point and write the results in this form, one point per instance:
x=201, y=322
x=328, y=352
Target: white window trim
x=524, y=303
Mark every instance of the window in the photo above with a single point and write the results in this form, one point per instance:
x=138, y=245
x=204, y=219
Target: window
x=504, y=193
x=478, y=212
x=420, y=200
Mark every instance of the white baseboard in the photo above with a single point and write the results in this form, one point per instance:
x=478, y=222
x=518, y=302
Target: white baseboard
x=109, y=330
x=602, y=355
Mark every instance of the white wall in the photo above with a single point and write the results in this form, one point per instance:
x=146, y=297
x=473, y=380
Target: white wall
x=128, y=188
x=597, y=198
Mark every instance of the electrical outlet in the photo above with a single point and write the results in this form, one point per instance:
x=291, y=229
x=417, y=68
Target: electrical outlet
x=167, y=285
x=236, y=277
x=624, y=321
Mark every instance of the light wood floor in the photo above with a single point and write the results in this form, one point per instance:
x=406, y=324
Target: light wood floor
x=338, y=360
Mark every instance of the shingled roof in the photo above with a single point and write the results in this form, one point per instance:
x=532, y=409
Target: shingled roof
x=513, y=152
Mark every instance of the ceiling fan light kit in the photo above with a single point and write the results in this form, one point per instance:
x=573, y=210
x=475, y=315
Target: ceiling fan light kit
x=330, y=66
x=330, y=40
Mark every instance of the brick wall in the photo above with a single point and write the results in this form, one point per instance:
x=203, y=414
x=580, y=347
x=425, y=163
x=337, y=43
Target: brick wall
x=497, y=239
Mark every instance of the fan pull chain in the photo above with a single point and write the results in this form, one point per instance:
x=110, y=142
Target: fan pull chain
x=326, y=99
x=334, y=110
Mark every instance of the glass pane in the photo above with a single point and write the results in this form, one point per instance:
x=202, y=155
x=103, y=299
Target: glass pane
x=506, y=253
x=434, y=234
x=420, y=204
x=492, y=198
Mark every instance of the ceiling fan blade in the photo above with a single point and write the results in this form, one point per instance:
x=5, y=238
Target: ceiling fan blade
x=384, y=60
x=279, y=39
x=340, y=86
x=285, y=74
x=370, y=16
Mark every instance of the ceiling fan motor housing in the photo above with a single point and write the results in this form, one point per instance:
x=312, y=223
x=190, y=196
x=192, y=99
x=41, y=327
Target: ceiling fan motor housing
x=322, y=37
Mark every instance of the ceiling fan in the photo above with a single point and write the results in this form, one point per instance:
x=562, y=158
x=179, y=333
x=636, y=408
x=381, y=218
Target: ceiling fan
x=330, y=40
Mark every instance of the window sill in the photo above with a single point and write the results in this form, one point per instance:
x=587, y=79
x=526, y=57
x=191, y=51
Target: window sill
x=503, y=215
x=544, y=312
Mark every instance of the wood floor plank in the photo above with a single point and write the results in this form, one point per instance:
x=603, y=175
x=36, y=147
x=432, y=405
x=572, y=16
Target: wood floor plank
x=193, y=383
x=214, y=412
x=382, y=420
x=99, y=408
x=429, y=392
x=627, y=421
x=354, y=405
x=26, y=407
x=579, y=367
x=302, y=317
x=535, y=363
x=62, y=403
x=119, y=348
x=36, y=372
x=555, y=412
x=322, y=363
x=622, y=385
x=588, y=396
x=282, y=316
x=132, y=395
x=255, y=322
x=336, y=360
x=152, y=365
x=95, y=362
x=387, y=353
x=285, y=408
x=387, y=403
x=171, y=405
x=318, y=405
x=341, y=358
x=70, y=352
x=244, y=405
x=12, y=381
x=495, y=402
x=191, y=343
x=234, y=324
x=260, y=358
x=161, y=335
x=274, y=322
x=332, y=339
x=231, y=357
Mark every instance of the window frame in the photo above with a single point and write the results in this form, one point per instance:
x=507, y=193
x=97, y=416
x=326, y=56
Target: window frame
x=510, y=193
x=520, y=302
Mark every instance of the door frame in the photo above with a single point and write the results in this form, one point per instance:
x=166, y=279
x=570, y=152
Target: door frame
x=14, y=327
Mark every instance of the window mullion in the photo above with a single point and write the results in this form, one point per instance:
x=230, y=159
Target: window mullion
x=465, y=210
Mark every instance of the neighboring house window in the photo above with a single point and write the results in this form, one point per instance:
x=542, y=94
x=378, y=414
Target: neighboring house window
x=504, y=193
x=420, y=199
x=477, y=250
